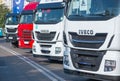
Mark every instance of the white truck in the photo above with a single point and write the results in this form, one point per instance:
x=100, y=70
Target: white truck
x=11, y=25
x=91, y=38
x=48, y=30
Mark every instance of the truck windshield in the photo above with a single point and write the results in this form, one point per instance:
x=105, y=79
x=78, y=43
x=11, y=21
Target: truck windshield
x=13, y=20
x=49, y=16
x=26, y=19
x=93, y=9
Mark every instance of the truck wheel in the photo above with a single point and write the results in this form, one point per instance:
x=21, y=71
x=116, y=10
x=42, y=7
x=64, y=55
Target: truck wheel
x=34, y=55
x=7, y=40
x=52, y=60
x=15, y=44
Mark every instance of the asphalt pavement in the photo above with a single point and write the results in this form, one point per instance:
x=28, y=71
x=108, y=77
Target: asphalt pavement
x=19, y=65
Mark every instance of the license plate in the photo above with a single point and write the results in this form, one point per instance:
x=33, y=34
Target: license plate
x=26, y=42
x=10, y=37
x=45, y=48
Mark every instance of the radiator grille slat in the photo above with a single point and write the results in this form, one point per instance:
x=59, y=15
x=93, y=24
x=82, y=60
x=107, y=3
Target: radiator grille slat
x=86, y=59
x=27, y=35
x=45, y=36
x=11, y=30
x=87, y=41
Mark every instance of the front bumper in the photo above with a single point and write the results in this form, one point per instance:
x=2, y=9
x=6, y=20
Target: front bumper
x=25, y=44
x=11, y=37
x=93, y=76
x=48, y=49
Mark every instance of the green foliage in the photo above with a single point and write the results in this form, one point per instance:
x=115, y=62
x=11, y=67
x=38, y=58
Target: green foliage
x=3, y=11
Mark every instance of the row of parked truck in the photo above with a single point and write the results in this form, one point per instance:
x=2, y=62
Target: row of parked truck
x=84, y=34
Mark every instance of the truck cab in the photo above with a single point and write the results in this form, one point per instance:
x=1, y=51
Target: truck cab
x=48, y=30
x=91, y=39
x=26, y=25
x=11, y=25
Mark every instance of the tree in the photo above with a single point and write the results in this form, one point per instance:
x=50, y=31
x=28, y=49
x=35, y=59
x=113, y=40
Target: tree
x=3, y=11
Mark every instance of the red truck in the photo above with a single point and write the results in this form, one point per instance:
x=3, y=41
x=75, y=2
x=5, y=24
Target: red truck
x=25, y=26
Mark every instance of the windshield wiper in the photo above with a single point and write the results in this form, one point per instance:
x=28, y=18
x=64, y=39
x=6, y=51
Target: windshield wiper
x=52, y=19
x=104, y=13
x=80, y=15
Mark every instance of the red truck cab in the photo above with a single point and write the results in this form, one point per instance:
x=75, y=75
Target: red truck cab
x=25, y=26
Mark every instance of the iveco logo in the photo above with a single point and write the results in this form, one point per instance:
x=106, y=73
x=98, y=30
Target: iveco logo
x=44, y=31
x=86, y=32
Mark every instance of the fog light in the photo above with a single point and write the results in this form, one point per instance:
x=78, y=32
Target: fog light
x=57, y=50
x=110, y=65
x=66, y=60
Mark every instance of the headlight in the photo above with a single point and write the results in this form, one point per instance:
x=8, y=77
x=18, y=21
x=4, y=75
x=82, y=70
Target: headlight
x=57, y=50
x=110, y=65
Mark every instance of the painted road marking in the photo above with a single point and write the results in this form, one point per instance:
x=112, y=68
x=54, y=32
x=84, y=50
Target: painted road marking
x=52, y=76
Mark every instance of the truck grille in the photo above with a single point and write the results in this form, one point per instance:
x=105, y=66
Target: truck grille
x=87, y=41
x=45, y=36
x=86, y=60
x=11, y=30
x=27, y=35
